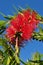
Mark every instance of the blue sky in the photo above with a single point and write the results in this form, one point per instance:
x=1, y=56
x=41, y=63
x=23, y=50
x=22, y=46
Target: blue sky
x=6, y=6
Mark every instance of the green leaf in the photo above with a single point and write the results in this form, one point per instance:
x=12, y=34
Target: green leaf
x=12, y=61
x=2, y=22
x=3, y=43
x=2, y=26
x=38, y=16
x=7, y=17
x=38, y=35
x=28, y=63
x=41, y=20
x=6, y=61
x=1, y=57
x=1, y=54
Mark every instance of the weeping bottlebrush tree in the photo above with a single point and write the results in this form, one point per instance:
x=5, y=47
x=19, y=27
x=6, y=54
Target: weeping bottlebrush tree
x=14, y=31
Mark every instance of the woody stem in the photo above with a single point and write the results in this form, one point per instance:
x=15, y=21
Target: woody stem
x=17, y=52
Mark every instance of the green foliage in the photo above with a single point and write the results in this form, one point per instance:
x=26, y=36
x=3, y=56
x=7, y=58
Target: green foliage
x=3, y=43
x=9, y=17
x=36, y=59
x=8, y=55
x=2, y=26
x=38, y=35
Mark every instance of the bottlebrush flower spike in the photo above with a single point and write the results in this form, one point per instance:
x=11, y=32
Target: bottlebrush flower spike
x=22, y=26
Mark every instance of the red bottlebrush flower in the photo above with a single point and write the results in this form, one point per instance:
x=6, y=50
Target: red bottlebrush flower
x=22, y=26
x=18, y=21
x=26, y=14
x=11, y=31
x=34, y=14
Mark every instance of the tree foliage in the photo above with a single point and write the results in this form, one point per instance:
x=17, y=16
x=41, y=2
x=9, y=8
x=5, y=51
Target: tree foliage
x=9, y=53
